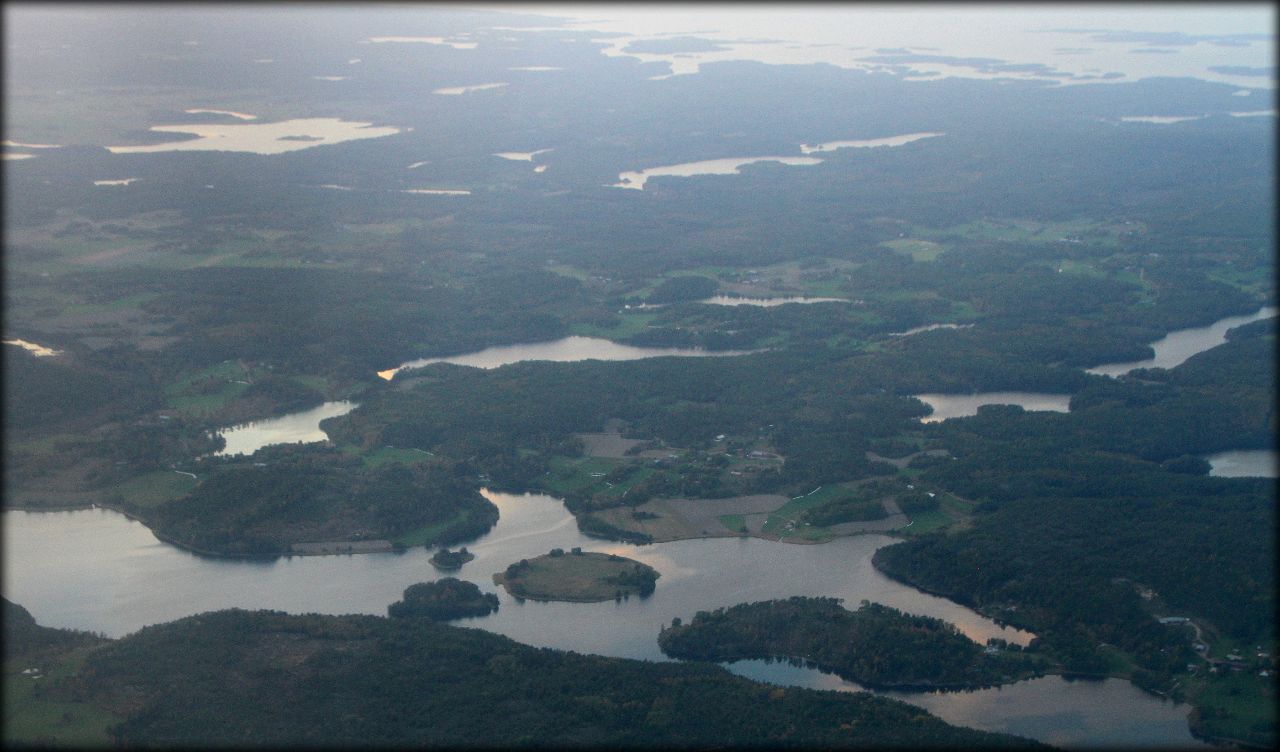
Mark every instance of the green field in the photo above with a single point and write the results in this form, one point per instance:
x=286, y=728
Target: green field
x=154, y=489
x=31, y=716
x=630, y=323
x=427, y=535
x=919, y=250
x=1236, y=706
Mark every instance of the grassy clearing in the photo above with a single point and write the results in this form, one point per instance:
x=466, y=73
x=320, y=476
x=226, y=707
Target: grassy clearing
x=777, y=522
x=383, y=455
x=629, y=324
x=578, y=474
x=154, y=489
x=31, y=717
x=427, y=535
x=927, y=522
x=734, y=522
x=202, y=392
x=919, y=250
x=1236, y=706
x=581, y=578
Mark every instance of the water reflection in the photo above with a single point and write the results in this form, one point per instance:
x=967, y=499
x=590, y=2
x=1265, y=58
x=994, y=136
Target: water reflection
x=261, y=138
x=96, y=569
x=867, y=143
x=730, y=300
x=727, y=166
x=963, y=405
x=1109, y=713
x=1248, y=463
x=40, y=351
x=1176, y=347
x=301, y=427
x=566, y=350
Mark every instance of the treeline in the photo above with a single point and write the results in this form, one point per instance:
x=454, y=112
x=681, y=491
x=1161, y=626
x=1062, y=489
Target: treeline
x=296, y=494
x=365, y=680
x=875, y=645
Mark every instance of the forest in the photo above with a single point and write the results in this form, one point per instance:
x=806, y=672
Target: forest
x=411, y=681
x=875, y=646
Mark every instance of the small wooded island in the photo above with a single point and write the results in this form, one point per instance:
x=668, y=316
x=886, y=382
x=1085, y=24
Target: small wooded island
x=578, y=576
x=442, y=600
x=877, y=646
x=446, y=559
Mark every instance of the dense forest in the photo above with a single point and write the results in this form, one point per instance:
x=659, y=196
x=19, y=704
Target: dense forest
x=288, y=495
x=875, y=645
x=413, y=681
x=443, y=600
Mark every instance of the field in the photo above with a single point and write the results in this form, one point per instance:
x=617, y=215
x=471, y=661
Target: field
x=578, y=577
x=30, y=714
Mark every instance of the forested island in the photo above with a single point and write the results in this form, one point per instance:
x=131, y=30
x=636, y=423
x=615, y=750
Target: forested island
x=443, y=600
x=408, y=681
x=875, y=645
x=583, y=576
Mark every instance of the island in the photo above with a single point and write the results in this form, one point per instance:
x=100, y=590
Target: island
x=578, y=576
x=442, y=600
x=876, y=646
x=446, y=559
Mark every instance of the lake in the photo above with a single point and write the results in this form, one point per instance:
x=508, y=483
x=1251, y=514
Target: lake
x=40, y=351
x=566, y=350
x=1108, y=713
x=456, y=90
x=261, y=138
x=1247, y=463
x=726, y=166
x=963, y=405
x=929, y=328
x=732, y=300
x=1175, y=347
x=96, y=569
x=870, y=143
x=300, y=427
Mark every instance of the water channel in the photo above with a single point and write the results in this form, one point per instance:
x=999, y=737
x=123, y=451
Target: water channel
x=1176, y=347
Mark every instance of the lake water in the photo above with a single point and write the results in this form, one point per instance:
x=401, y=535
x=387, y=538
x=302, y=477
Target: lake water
x=521, y=156
x=1248, y=463
x=1110, y=713
x=230, y=113
x=422, y=40
x=301, y=427
x=727, y=166
x=261, y=138
x=1160, y=119
x=566, y=350
x=929, y=328
x=963, y=405
x=96, y=569
x=456, y=90
x=40, y=351
x=1175, y=347
x=438, y=191
x=867, y=143
x=731, y=300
